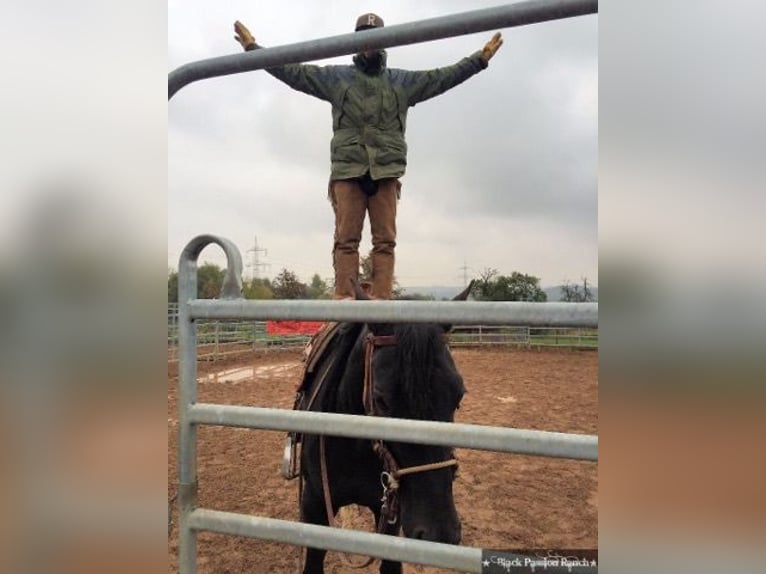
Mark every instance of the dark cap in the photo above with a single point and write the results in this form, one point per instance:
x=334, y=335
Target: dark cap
x=368, y=20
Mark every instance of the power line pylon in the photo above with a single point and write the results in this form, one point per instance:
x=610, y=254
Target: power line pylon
x=255, y=261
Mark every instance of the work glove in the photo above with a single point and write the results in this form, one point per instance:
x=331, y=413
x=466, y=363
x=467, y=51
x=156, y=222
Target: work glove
x=244, y=37
x=491, y=47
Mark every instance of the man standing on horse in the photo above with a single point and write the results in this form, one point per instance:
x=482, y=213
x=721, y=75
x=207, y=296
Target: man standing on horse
x=368, y=149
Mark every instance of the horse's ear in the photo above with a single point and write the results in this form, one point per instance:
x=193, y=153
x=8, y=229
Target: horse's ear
x=462, y=296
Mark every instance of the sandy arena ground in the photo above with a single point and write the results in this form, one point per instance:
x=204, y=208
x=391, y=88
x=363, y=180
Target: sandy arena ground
x=505, y=501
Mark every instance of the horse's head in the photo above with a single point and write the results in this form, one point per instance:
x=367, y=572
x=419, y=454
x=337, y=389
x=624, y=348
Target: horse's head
x=412, y=375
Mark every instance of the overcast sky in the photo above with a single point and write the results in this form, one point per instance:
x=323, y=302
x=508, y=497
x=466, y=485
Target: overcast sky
x=502, y=170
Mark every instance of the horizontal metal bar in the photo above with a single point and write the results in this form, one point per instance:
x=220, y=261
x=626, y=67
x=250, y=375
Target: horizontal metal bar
x=461, y=558
x=446, y=312
x=478, y=437
x=510, y=15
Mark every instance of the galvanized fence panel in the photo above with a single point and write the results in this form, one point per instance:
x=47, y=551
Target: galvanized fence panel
x=220, y=339
x=488, y=19
x=191, y=414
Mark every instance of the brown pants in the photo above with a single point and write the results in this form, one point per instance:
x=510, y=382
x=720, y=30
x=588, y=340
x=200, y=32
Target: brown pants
x=351, y=204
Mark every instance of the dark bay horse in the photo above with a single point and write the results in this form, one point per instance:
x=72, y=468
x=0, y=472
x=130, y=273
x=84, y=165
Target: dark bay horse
x=390, y=370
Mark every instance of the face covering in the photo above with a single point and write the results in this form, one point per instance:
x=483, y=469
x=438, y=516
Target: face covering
x=371, y=64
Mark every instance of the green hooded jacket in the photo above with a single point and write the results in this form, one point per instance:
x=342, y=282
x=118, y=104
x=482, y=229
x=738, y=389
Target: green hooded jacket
x=369, y=111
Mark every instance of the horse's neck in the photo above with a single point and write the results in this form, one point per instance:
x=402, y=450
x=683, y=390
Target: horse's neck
x=348, y=399
x=340, y=372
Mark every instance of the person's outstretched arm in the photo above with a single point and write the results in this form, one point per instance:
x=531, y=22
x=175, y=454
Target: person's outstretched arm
x=423, y=85
x=316, y=81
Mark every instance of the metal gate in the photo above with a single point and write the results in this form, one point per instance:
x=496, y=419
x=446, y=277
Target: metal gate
x=231, y=306
x=192, y=413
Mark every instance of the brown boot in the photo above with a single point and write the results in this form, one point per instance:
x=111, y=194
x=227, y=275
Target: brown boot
x=346, y=272
x=382, y=275
x=382, y=209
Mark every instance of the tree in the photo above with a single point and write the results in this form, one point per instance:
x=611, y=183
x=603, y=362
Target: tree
x=517, y=287
x=172, y=286
x=257, y=289
x=365, y=274
x=287, y=286
x=484, y=284
x=209, y=282
x=571, y=293
x=318, y=288
x=365, y=267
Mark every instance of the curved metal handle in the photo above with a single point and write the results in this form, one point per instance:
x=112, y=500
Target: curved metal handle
x=187, y=268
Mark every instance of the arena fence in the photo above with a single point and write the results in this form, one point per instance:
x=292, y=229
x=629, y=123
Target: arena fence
x=230, y=307
x=193, y=413
x=218, y=340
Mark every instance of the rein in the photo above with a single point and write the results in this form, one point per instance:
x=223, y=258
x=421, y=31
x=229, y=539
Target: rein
x=392, y=472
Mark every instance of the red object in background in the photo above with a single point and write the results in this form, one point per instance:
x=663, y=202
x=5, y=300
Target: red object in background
x=293, y=327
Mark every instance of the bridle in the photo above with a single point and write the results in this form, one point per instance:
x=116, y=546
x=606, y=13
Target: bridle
x=392, y=472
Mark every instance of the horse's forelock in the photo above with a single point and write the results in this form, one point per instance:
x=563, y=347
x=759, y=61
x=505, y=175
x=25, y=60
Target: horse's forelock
x=416, y=349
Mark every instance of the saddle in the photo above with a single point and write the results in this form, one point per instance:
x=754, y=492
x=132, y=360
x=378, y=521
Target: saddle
x=315, y=350
x=307, y=389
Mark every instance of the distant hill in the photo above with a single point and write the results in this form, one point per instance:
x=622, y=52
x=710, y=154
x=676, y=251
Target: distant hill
x=439, y=292
x=554, y=293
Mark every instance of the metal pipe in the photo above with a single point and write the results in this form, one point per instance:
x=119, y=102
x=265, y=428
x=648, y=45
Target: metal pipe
x=187, y=395
x=478, y=437
x=510, y=15
x=187, y=382
x=446, y=312
x=343, y=540
x=462, y=558
x=232, y=280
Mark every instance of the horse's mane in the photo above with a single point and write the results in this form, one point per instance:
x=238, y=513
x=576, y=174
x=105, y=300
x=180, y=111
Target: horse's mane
x=415, y=355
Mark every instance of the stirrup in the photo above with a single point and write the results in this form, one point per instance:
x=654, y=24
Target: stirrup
x=290, y=458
